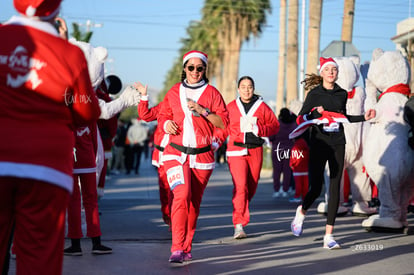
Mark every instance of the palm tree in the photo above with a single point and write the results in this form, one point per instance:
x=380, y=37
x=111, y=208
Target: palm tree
x=79, y=35
x=280, y=94
x=314, y=34
x=348, y=20
x=236, y=21
x=199, y=38
x=292, y=52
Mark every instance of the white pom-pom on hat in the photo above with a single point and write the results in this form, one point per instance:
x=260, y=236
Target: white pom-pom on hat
x=44, y=9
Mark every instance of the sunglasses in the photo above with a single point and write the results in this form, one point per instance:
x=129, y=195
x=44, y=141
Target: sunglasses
x=199, y=68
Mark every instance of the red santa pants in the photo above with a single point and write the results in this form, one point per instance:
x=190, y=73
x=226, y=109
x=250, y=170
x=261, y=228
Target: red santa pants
x=301, y=185
x=165, y=195
x=102, y=176
x=38, y=211
x=245, y=171
x=90, y=203
x=185, y=206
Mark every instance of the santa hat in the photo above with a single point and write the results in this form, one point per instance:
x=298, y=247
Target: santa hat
x=197, y=54
x=325, y=62
x=45, y=9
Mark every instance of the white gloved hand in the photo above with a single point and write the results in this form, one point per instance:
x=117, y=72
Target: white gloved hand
x=130, y=96
x=371, y=99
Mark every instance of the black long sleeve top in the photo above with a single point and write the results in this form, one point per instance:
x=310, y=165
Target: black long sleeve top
x=331, y=100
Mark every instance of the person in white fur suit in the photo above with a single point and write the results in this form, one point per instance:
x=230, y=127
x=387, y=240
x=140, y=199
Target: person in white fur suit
x=89, y=158
x=387, y=156
x=348, y=76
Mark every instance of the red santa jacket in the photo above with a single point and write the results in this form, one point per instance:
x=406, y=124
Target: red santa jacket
x=266, y=124
x=45, y=93
x=299, y=157
x=194, y=131
x=86, y=147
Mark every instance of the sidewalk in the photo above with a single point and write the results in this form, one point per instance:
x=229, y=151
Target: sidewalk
x=132, y=225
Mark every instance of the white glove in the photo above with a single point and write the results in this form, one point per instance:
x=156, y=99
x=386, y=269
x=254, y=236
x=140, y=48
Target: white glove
x=130, y=96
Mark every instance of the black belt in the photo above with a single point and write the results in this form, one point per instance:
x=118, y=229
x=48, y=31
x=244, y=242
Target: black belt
x=190, y=150
x=160, y=148
x=248, y=146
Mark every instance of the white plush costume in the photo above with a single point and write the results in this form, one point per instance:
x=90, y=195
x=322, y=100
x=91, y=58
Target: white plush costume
x=348, y=76
x=387, y=157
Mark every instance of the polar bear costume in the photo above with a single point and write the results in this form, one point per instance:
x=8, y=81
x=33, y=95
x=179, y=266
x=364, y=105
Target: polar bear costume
x=388, y=159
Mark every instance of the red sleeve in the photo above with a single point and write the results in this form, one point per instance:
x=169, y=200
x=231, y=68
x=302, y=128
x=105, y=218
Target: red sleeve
x=148, y=114
x=219, y=108
x=165, y=112
x=268, y=125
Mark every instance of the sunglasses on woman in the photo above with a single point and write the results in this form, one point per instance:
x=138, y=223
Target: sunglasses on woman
x=199, y=68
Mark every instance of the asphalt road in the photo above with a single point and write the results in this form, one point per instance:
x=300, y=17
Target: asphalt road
x=131, y=224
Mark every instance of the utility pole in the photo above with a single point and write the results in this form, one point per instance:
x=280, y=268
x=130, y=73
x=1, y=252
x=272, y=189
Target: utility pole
x=302, y=51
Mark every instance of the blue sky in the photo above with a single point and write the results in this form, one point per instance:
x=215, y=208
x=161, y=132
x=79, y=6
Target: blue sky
x=143, y=37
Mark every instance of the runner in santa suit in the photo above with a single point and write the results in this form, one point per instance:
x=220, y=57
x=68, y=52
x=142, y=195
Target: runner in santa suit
x=160, y=141
x=326, y=143
x=250, y=120
x=38, y=114
x=190, y=112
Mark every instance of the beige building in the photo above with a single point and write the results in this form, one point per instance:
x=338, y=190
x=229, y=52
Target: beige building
x=404, y=41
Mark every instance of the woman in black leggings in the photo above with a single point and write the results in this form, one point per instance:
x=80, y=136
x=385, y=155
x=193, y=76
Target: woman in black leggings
x=326, y=142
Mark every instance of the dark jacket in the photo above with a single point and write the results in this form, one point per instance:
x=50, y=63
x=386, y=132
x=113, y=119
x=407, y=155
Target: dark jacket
x=331, y=100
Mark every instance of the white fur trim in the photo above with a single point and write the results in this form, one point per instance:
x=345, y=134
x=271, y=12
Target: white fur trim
x=36, y=172
x=236, y=153
x=30, y=11
x=195, y=55
x=326, y=64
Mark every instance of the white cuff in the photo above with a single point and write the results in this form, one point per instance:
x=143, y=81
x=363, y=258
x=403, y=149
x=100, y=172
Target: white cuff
x=165, y=126
x=144, y=97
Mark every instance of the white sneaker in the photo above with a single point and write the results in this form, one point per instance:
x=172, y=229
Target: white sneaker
x=275, y=195
x=285, y=194
x=297, y=224
x=239, y=232
x=330, y=243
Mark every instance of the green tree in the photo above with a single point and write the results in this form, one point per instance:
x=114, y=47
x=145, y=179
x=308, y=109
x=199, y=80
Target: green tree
x=79, y=35
x=199, y=38
x=234, y=22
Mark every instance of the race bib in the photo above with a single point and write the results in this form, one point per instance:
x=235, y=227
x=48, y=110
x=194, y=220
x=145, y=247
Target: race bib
x=175, y=176
x=246, y=124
